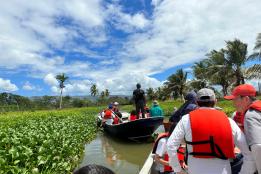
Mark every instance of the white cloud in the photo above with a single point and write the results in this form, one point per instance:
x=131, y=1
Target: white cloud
x=7, y=86
x=50, y=80
x=28, y=86
x=127, y=22
x=178, y=32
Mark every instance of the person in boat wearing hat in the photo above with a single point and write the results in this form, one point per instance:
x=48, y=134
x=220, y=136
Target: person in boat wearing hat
x=155, y=110
x=115, y=109
x=210, y=137
x=161, y=155
x=189, y=105
x=245, y=102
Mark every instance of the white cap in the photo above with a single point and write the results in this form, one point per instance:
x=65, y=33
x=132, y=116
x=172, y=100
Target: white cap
x=205, y=95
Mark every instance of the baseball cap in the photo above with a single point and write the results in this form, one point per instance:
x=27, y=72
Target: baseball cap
x=155, y=102
x=242, y=90
x=205, y=95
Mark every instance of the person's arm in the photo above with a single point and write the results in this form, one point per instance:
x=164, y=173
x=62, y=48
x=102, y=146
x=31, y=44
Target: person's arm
x=252, y=130
x=173, y=144
x=160, y=152
x=248, y=166
x=256, y=152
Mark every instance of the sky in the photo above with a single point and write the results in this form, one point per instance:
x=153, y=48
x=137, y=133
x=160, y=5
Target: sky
x=114, y=43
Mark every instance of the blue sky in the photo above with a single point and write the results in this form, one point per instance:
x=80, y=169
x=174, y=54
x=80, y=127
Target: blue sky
x=114, y=44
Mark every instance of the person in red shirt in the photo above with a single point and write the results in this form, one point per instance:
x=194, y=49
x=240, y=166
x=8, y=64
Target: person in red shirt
x=133, y=115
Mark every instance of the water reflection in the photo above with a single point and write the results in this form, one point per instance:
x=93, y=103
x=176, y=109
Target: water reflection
x=121, y=156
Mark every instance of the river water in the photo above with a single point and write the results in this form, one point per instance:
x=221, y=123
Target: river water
x=123, y=157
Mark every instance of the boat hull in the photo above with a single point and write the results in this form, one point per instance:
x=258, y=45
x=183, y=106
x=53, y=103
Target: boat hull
x=140, y=128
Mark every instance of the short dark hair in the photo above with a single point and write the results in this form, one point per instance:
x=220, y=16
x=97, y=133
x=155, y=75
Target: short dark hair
x=210, y=104
x=138, y=86
x=93, y=169
x=133, y=112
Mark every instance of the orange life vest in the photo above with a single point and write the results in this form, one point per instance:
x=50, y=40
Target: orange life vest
x=107, y=114
x=256, y=105
x=211, y=134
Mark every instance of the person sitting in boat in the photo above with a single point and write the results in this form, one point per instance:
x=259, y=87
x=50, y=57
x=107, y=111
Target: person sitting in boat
x=107, y=115
x=187, y=107
x=147, y=111
x=116, y=120
x=133, y=115
x=93, y=169
x=115, y=109
x=161, y=156
x=155, y=110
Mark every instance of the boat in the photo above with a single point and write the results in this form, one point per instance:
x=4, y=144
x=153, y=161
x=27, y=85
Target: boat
x=137, y=129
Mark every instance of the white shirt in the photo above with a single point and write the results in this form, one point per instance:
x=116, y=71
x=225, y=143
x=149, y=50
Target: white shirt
x=206, y=165
x=161, y=150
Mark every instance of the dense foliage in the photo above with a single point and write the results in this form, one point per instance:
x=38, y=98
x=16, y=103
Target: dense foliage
x=46, y=141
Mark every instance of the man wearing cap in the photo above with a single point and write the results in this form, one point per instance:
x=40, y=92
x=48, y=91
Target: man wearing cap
x=210, y=136
x=244, y=100
x=155, y=110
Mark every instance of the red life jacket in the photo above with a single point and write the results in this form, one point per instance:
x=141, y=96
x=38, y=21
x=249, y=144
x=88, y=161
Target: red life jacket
x=107, y=114
x=166, y=157
x=256, y=105
x=239, y=119
x=115, y=120
x=211, y=134
x=133, y=117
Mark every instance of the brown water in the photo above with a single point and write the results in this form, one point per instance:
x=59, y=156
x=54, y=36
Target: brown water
x=123, y=157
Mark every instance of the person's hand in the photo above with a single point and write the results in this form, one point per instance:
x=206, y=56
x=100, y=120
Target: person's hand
x=181, y=172
x=184, y=166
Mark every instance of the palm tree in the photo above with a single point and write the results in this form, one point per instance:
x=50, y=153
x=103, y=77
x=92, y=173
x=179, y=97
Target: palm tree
x=102, y=94
x=200, y=71
x=255, y=70
x=219, y=72
x=94, y=90
x=61, y=78
x=106, y=93
x=150, y=93
x=236, y=57
x=177, y=82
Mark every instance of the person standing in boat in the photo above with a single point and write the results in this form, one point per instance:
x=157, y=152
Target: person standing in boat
x=140, y=100
x=156, y=110
x=210, y=136
x=248, y=116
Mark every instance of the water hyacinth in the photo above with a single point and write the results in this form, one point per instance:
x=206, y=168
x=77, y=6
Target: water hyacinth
x=44, y=141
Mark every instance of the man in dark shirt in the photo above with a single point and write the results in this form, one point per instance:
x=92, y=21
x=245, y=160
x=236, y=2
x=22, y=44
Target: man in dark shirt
x=139, y=99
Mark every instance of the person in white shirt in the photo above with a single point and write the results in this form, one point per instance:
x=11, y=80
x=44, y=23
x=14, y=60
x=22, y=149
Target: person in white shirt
x=216, y=135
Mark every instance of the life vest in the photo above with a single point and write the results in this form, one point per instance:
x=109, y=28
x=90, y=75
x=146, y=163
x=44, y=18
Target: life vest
x=107, y=114
x=256, y=105
x=115, y=120
x=239, y=119
x=133, y=117
x=180, y=152
x=211, y=134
